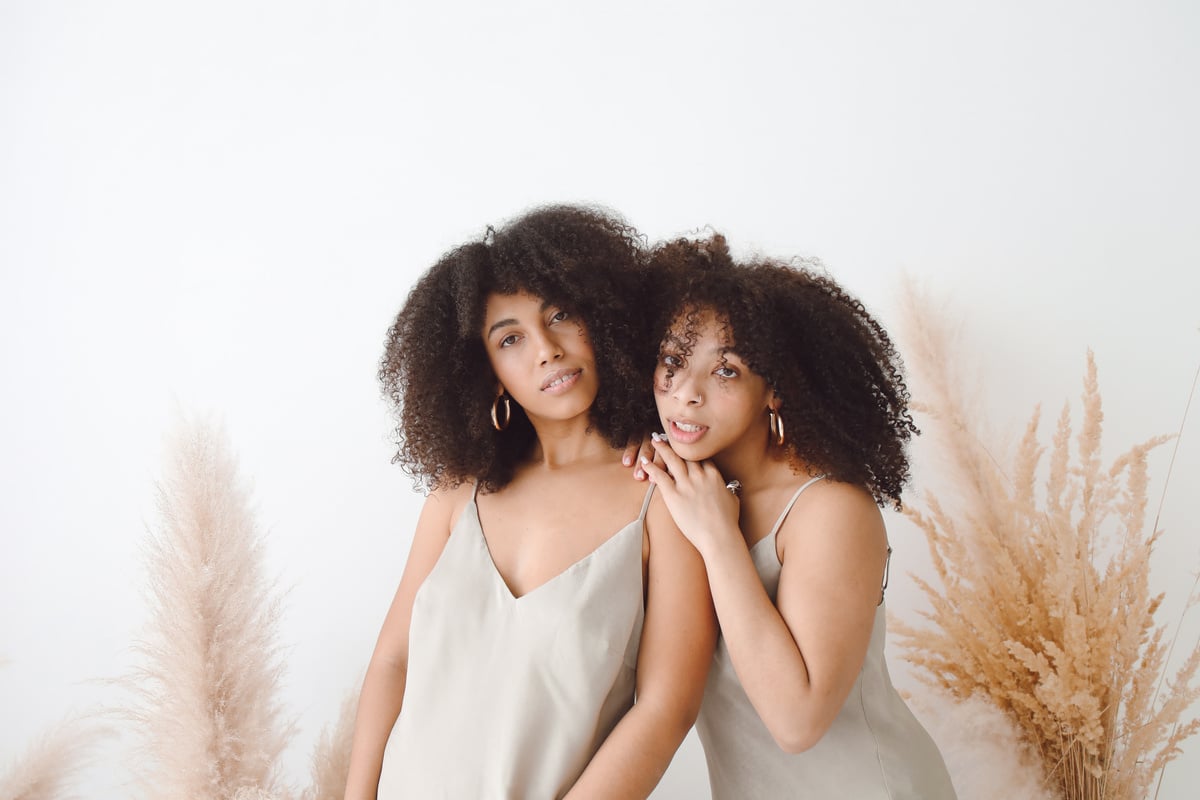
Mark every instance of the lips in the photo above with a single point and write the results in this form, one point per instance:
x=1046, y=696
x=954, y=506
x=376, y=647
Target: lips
x=685, y=431
x=560, y=380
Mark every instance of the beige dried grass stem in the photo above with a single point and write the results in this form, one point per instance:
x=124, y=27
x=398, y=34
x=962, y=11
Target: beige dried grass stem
x=1162, y=498
x=205, y=695
x=1044, y=605
x=1192, y=598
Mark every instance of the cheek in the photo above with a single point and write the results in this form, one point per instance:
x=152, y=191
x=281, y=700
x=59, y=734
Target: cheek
x=493, y=362
x=497, y=363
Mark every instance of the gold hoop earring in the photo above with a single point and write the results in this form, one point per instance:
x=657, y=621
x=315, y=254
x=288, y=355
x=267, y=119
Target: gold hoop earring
x=496, y=423
x=775, y=423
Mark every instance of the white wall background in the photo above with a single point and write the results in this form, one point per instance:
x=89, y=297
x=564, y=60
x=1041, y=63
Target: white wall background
x=220, y=205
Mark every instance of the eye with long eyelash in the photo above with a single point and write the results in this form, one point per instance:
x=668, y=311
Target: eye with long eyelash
x=671, y=361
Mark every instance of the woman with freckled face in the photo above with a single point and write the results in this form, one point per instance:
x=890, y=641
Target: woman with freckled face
x=552, y=628
x=785, y=422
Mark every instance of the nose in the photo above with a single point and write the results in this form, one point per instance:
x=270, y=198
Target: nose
x=685, y=390
x=548, y=348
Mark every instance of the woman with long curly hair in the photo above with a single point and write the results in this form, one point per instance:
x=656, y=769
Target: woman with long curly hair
x=543, y=585
x=785, y=418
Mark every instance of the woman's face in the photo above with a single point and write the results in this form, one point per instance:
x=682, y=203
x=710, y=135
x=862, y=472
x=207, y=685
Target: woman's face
x=541, y=356
x=708, y=399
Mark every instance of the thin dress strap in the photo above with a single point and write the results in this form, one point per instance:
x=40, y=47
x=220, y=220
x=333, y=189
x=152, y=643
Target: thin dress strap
x=792, y=502
x=646, y=504
x=779, y=522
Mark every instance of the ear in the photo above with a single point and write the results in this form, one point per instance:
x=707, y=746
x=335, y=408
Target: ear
x=774, y=401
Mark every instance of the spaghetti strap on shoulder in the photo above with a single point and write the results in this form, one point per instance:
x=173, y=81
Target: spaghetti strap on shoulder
x=874, y=747
x=646, y=504
x=787, y=508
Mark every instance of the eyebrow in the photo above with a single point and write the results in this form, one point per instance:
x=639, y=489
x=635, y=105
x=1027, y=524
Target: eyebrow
x=502, y=323
x=498, y=325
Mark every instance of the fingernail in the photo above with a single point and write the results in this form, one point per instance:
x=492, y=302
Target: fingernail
x=645, y=460
x=627, y=460
x=639, y=474
x=657, y=437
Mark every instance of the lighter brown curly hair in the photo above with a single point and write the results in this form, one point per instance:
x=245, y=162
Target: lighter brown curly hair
x=841, y=380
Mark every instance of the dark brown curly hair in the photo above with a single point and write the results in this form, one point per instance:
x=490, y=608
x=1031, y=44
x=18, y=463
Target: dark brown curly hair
x=435, y=370
x=840, y=379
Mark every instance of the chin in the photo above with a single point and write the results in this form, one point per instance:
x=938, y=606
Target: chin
x=693, y=452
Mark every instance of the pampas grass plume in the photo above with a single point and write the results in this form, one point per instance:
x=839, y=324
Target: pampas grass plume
x=205, y=696
x=50, y=767
x=331, y=755
x=1045, y=606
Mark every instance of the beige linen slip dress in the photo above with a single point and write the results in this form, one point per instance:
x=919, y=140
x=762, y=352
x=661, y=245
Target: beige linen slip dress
x=875, y=750
x=510, y=697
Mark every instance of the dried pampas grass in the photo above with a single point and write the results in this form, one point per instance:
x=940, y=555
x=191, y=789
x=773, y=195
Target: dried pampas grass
x=984, y=752
x=206, y=693
x=254, y=793
x=1044, y=606
x=331, y=755
x=50, y=767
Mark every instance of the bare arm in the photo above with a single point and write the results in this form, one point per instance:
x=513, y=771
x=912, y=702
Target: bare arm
x=678, y=637
x=798, y=658
x=383, y=687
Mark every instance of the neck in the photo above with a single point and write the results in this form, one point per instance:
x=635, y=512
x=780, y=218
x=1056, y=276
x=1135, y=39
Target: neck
x=754, y=462
x=564, y=443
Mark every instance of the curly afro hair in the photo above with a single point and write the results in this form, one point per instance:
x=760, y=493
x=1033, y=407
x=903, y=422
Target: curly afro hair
x=836, y=371
x=435, y=370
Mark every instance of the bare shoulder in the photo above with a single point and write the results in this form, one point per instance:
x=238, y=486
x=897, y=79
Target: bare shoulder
x=440, y=513
x=453, y=500
x=833, y=548
x=833, y=513
x=442, y=509
x=659, y=522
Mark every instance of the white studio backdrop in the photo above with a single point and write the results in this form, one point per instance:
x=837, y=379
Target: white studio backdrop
x=218, y=207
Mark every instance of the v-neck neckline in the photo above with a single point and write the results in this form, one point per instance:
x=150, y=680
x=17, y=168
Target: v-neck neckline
x=473, y=506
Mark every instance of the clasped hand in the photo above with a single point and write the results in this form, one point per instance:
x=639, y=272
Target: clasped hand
x=695, y=493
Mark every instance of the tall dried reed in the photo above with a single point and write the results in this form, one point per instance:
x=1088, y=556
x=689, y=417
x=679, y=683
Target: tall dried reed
x=51, y=766
x=205, y=694
x=331, y=755
x=1044, y=605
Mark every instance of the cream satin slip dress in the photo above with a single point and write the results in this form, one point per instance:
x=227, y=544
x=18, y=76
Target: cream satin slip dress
x=509, y=697
x=875, y=750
